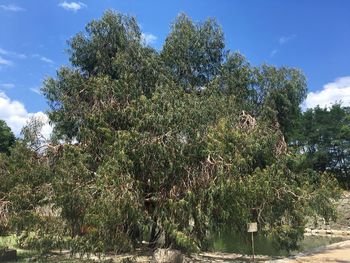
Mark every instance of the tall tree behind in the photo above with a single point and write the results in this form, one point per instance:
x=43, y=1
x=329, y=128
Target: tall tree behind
x=323, y=135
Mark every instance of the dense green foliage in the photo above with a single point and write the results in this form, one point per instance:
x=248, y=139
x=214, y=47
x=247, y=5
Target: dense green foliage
x=323, y=136
x=167, y=147
x=7, y=138
x=193, y=52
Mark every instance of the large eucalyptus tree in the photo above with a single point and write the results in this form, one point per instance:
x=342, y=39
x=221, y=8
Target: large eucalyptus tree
x=154, y=145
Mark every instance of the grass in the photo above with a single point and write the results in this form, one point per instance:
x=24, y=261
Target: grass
x=8, y=241
x=26, y=255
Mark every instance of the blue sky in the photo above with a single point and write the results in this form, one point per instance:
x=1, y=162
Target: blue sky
x=311, y=35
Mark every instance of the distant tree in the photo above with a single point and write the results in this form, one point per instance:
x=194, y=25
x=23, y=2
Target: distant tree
x=7, y=138
x=323, y=136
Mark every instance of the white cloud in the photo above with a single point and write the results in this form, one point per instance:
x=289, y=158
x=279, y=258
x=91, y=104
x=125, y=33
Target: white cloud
x=11, y=53
x=334, y=92
x=72, y=6
x=12, y=8
x=284, y=39
x=148, y=39
x=16, y=116
x=5, y=62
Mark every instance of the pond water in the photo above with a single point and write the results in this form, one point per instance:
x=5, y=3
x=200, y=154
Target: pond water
x=231, y=243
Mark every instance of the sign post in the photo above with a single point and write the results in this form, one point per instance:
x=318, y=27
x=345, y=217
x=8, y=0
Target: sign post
x=252, y=227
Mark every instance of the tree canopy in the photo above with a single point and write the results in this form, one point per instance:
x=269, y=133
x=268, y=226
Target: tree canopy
x=323, y=135
x=193, y=52
x=167, y=147
x=7, y=138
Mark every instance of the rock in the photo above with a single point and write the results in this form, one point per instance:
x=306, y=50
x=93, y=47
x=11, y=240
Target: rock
x=168, y=256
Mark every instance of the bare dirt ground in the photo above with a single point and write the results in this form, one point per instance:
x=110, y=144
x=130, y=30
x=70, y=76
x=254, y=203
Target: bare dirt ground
x=335, y=253
x=224, y=257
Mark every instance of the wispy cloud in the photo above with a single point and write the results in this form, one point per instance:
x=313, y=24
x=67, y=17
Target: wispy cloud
x=12, y=53
x=12, y=8
x=5, y=62
x=36, y=90
x=273, y=52
x=284, y=39
x=47, y=60
x=7, y=85
x=148, y=39
x=42, y=58
x=334, y=92
x=72, y=6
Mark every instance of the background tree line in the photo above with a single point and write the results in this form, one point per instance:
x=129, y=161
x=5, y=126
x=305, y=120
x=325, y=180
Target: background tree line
x=169, y=146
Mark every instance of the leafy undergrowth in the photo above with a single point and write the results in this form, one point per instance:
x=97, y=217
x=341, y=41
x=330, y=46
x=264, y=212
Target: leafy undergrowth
x=27, y=255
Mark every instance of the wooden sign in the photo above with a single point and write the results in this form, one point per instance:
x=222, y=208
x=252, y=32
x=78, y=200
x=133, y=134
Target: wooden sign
x=252, y=227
